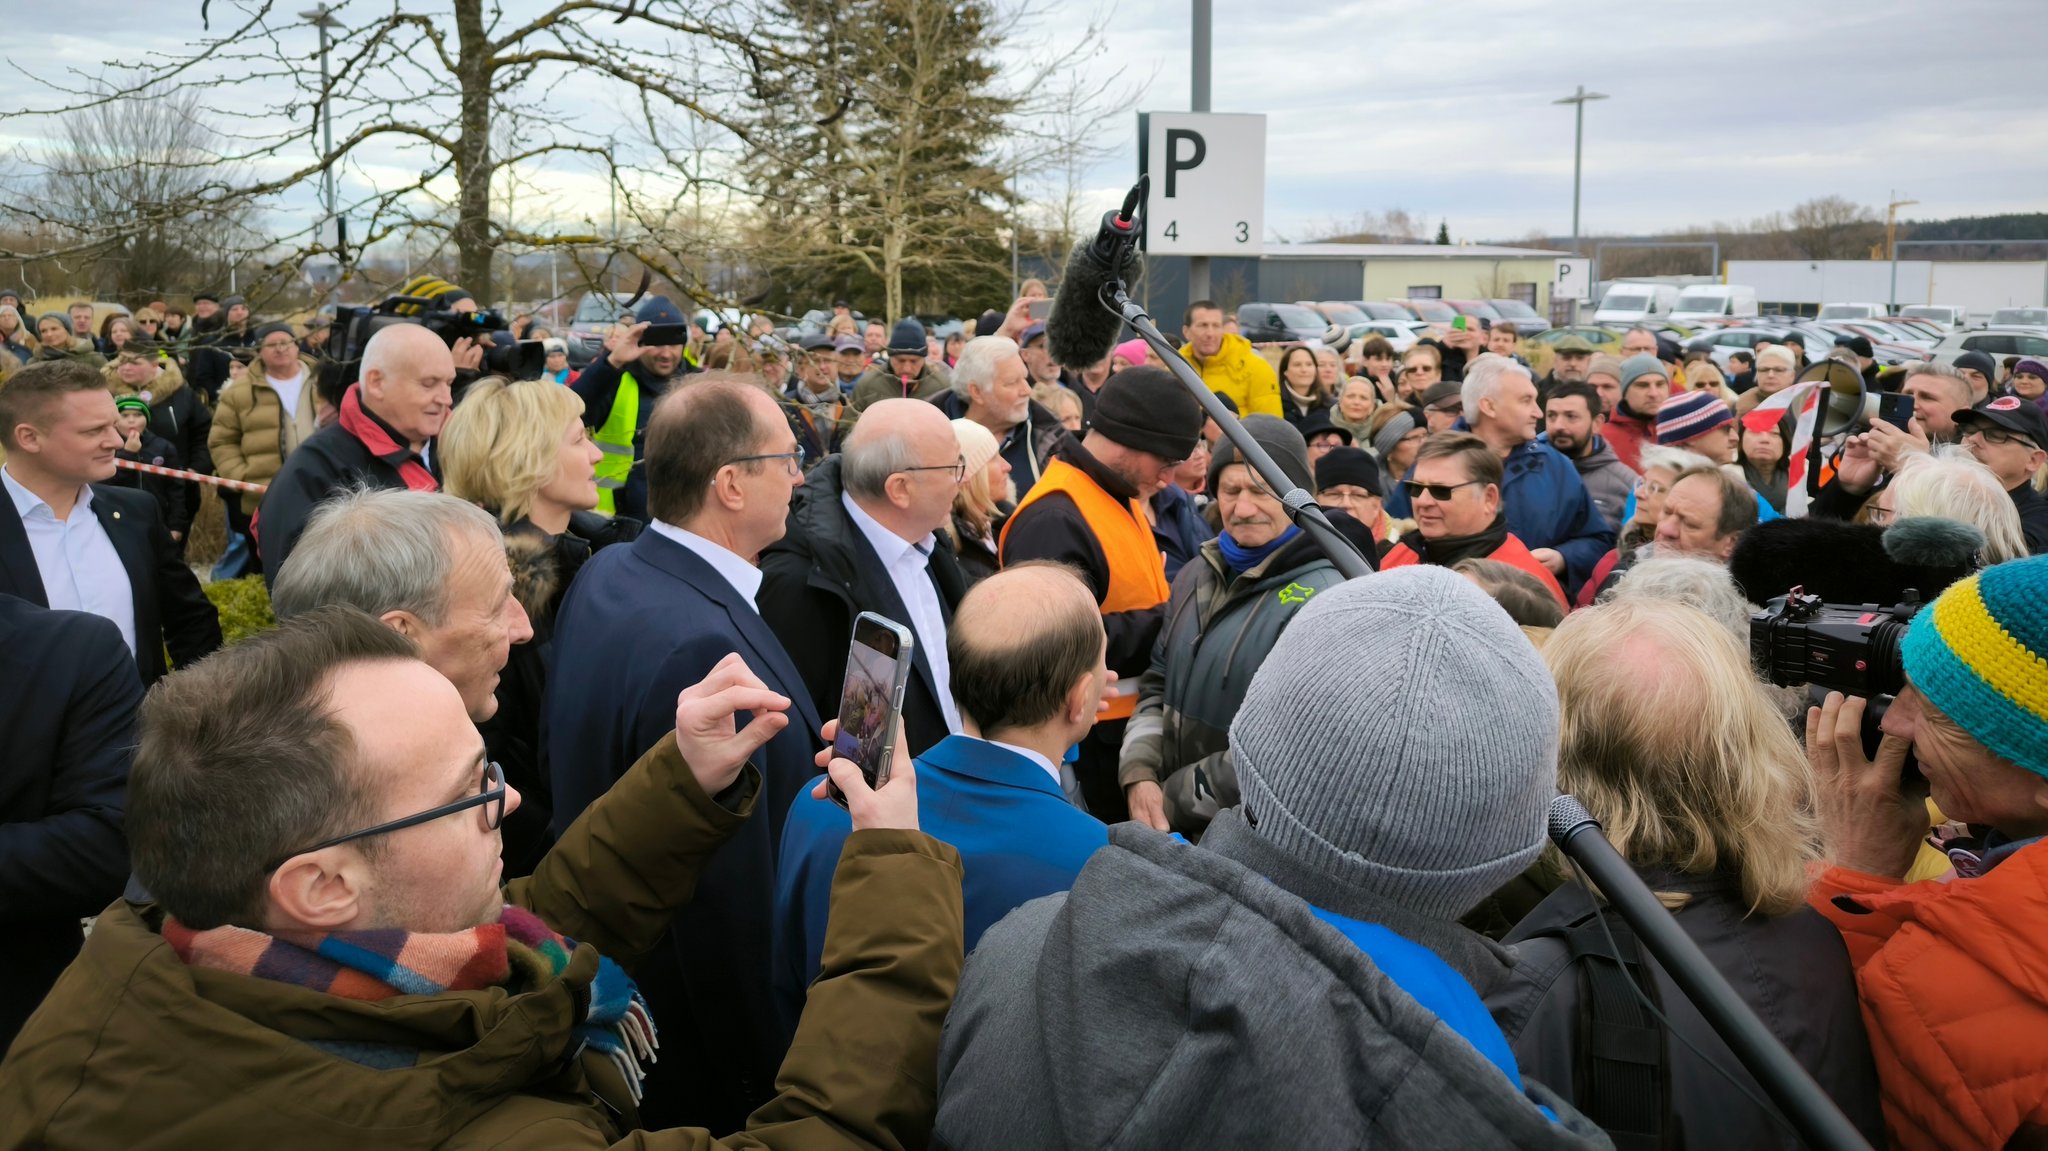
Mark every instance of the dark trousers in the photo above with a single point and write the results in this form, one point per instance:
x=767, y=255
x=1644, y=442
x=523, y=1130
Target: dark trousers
x=1095, y=770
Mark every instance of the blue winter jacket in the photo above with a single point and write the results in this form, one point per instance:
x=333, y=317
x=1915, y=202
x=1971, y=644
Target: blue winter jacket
x=1547, y=507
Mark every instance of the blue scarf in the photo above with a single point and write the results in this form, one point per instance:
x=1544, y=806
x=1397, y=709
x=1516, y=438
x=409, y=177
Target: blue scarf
x=1240, y=558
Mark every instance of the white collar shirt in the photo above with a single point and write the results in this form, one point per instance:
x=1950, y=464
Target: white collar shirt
x=908, y=566
x=81, y=570
x=744, y=577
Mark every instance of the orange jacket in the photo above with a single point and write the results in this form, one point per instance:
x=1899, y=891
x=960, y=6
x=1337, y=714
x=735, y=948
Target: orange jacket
x=1954, y=982
x=1513, y=552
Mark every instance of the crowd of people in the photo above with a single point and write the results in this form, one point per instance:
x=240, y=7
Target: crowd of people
x=1188, y=840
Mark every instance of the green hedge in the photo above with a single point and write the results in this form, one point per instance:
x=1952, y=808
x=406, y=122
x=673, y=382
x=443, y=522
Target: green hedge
x=244, y=606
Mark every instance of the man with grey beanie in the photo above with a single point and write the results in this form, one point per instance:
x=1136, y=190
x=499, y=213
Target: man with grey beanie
x=1300, y=977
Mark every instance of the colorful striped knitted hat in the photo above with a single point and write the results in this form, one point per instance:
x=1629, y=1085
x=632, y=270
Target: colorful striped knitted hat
x=1689, y=415
x=1980, y=656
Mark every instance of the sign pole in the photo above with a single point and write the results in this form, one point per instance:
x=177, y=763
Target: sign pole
x=1198, y=72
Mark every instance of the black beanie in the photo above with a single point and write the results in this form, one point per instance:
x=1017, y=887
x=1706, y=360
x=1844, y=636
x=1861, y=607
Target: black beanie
x=1147, y=410
x=1354, y=466
x=908, y=339
x=1279, y=439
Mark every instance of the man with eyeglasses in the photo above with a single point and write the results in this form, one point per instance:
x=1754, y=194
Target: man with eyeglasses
x=862, y=537
x=641, y=622
x=1454, y=495
x=328, y=949
x=1090, y=510
x=2010, y=436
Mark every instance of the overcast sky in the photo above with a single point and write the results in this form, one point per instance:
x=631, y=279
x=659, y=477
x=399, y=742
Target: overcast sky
x=1720, y=110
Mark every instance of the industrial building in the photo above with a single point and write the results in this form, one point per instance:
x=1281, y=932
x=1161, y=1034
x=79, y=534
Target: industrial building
x=1982, y=286
x=1290, y=272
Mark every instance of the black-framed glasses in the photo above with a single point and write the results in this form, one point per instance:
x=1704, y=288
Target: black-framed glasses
x=957, y=467
x=795, y=459
x=491, y=793
x=1436, y=491
x=2000, y=436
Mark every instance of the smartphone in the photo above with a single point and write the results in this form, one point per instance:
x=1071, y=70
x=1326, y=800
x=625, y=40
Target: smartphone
x=877, y=670
x=1040, y=309
x=665, y=335
x=1895, y=408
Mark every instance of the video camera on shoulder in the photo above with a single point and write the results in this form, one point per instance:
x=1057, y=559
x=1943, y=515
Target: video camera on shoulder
x=1851, y=648
x=504, y=355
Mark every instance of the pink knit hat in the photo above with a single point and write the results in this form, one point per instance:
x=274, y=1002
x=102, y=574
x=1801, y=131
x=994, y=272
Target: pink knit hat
x=1132, y=351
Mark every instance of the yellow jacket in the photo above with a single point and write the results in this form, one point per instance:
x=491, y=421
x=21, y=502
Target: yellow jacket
x=1241, y=373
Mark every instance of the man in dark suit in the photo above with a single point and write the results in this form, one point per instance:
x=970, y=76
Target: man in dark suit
x=861, y=539
x=639, y=624
x=68, y=540
x=67, y=734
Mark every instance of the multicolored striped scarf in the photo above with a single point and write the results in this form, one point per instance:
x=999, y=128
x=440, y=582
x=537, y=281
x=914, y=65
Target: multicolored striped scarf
x=518, y=953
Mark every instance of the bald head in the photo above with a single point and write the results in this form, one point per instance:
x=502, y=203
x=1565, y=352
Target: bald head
x=899, y=466
x=408, y=377
x=1026, y=647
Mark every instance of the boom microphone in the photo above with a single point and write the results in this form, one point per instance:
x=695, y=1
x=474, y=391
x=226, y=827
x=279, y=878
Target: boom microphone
x=1083, y=328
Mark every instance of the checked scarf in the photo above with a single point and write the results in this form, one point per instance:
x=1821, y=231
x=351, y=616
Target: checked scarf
x=518, y=953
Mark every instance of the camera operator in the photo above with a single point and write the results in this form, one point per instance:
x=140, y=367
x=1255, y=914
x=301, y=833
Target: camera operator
x=379, y=439
x=619, y=391
x=1949, y=973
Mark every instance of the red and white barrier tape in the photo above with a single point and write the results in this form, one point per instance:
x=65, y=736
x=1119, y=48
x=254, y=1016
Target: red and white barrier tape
x=177, y=474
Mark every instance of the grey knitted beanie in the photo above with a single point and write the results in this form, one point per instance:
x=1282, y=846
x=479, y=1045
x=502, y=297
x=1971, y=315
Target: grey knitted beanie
x=1428, y=786
x=1281, y=441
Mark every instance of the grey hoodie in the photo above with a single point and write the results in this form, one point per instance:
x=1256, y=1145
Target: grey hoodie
x=1607, y=480
x=1182, y=997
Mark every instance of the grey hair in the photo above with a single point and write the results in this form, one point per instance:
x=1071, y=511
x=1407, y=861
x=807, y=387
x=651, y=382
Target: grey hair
x=380, y=550
x=1952, y=484
x=976, y=366
x=1483, y=381
x=1696, y=583
x=1957, y=384
x=1677, y=461
x=870, y=457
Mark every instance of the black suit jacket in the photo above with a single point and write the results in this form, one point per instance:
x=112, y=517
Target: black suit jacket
x=67, y=735
x=820, y=575
x=641, y=622
x=170, y=610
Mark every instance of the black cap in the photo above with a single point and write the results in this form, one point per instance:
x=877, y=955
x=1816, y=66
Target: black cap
x=1353, y=466
x=1318, y=423
x=2011, y=413
x=908, y=339
x=1147, y=410
x=1444, y=390
x=209, y=297
x=1857, y=344
x=1667, y=349
x=268, y=330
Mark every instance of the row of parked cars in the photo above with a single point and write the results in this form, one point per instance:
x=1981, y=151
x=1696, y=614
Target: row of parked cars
x=1400, y=322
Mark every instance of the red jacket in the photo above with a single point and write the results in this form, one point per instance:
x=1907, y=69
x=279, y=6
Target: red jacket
x=1626, y=435
x=1513, y=552
x=1954, y=982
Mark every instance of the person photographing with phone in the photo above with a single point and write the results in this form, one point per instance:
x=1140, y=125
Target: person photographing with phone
x=619, y=391
x=1950, y=974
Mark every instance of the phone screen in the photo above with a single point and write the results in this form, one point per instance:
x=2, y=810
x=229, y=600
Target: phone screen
x=1040, y=309
x=877, y=666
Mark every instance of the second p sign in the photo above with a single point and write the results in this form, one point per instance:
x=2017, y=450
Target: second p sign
x=1208, y=175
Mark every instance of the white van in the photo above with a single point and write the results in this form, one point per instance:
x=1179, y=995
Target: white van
x=1852, y=312
x=1627, y=303
x=1949, y=316
x=1708, y=301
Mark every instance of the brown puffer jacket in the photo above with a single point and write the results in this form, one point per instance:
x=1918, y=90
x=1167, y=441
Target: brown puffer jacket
x=135, y=1050
x=251, y=435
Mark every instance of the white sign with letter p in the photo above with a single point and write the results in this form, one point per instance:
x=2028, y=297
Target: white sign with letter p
x=1208, y=173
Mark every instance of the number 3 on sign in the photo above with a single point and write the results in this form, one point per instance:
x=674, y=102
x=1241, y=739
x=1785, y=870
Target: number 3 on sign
x=1244, y=232
x=1172, y=230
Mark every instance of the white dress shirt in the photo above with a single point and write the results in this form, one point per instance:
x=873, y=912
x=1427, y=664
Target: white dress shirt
x=744, y=577
x=81, y=570
x=907, y=564
x=1048, y=766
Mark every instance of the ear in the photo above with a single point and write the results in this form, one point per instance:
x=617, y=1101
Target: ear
x=1493, y=496
x=897, y=489
x=725, y=488
x=1080, y=704
x=324, y=890
x=404, y=623
x=1726, y=548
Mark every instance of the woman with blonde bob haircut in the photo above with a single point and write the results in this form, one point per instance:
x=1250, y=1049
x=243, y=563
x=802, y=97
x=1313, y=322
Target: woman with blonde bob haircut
x=519, y=450
x=1668, y=738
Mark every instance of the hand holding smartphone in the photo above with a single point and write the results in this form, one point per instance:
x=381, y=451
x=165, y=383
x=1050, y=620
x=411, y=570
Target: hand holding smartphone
x=877, y=671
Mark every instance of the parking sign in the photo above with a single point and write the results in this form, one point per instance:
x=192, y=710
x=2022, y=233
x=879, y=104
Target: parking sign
x=1573, y=281
x=1208, y=175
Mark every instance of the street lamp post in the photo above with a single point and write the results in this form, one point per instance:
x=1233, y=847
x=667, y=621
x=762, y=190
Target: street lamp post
x=323, y=19
x=1198, y=92
x=1578, y=98
x=1891, y=243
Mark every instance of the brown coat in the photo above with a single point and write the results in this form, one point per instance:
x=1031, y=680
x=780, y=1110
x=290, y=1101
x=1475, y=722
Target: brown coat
x=251, y=436
x=135, y=1050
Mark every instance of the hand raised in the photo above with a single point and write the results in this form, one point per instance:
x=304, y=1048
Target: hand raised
x=707, y=722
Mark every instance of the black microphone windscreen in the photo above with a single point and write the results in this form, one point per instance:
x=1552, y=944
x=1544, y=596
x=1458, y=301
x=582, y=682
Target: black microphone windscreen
x=1081, y=330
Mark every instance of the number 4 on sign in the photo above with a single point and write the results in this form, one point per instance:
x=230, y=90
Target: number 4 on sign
x=1172, y=230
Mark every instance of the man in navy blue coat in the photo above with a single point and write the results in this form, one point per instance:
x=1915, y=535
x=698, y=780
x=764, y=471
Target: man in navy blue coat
x=1027, y=653
x=640, y=623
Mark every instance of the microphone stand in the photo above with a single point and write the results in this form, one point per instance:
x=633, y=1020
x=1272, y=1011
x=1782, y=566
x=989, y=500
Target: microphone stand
x=1819, y=1122
x=1301, y=506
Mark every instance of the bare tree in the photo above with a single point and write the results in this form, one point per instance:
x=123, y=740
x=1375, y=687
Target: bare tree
x=1832, y=228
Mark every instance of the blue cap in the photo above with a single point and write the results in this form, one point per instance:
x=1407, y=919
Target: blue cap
x=1031, y=333
x=658, y=310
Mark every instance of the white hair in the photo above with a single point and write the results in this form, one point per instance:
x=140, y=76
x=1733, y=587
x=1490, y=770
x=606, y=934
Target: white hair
x=1696, y=583
x=1677, y=461
x=976, y=367
x=1777, y=352
x=380, y=550
x=1484, y=380
x=1952, y=484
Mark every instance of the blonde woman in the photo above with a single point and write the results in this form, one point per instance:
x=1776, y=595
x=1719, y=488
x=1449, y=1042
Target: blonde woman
x=1953, y=485
x=1670, y=741
x=1356, y=399
x=984, y=501
x=1063, y=402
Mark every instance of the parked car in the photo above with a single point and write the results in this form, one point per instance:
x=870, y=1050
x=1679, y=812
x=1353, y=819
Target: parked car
x=1629, y=303
x=1851, y=311
x=1527, y=320
x=2019, y=318
x=1925, y=329
x=1336, y=311
x=1725, y=342
x=1602, y=339
x=1280, y=323
x=1475, y=309
x=1886, y=352
x=1401, y=334
x=595, y=314
x=1892, y=333
x=1382, y=309
x=1428, y=311
x=1947, y=317
x=1712, y=301
x=2028, y=341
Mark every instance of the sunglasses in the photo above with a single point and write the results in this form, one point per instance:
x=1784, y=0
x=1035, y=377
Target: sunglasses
x=1436, y=491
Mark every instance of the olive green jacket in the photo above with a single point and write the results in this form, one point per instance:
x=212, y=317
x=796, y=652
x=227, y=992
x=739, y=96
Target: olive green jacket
x=135, y=1050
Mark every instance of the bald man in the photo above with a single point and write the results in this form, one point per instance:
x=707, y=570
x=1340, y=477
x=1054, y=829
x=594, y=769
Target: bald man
x=862, y=536
x=1028, y=656
x=379, y=439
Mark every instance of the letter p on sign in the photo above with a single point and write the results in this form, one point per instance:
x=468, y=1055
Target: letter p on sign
x=1208, y=174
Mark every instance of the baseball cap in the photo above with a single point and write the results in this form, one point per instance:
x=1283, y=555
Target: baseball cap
x=1439, y=393
x=849, y=344
x=1031, y=333
x=2011, y=413
x=819, y=341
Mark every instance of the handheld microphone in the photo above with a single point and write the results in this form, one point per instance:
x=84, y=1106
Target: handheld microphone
x=1083, y=328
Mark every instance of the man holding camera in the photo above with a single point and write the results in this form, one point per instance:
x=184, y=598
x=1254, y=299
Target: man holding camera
x=1950, y=973
x=619, y=392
